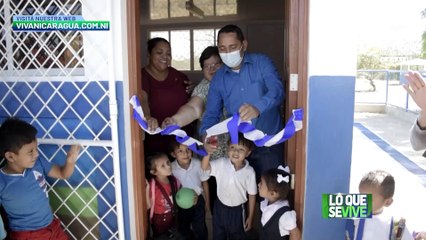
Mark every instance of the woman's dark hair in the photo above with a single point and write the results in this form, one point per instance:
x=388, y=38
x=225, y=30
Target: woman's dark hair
x=15, y=133
x=154, y=41
x=207, y=53
x=271, y=178
x=232, y=29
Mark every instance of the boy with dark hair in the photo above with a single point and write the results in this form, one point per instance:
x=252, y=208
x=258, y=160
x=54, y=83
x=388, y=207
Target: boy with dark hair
x=188, y=171
x=381, y=185
x=236, y=184
x=23, y=187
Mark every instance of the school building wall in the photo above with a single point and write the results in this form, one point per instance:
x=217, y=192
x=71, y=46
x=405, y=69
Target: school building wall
x=331, y=87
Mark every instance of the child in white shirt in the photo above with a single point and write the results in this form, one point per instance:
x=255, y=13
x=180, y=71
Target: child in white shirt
x=236, y=180
x=188, y=171
x=381, y=185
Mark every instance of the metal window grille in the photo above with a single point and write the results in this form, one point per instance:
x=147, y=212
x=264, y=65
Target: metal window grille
x=38, y=84
x=40, y=53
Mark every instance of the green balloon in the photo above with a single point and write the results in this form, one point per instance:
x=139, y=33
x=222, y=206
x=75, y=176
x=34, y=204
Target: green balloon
x=185, y=198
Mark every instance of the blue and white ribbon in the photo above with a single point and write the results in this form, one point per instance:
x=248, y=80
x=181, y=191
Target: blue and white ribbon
x=233, y=125
x=181, y=136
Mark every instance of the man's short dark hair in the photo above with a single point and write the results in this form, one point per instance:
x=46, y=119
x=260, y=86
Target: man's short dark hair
x=231, y=28
x=15, y=133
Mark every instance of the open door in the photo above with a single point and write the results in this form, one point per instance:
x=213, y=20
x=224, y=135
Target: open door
x=294, y=61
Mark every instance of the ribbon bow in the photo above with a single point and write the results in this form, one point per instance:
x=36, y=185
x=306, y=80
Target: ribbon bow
x=285, y=169
x=280, y=178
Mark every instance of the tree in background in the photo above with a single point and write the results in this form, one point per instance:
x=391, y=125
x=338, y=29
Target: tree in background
x=370, y=60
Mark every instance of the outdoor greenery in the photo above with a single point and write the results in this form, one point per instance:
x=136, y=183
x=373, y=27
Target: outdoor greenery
x=423, y=13
x=370, y=59
x=424, y=45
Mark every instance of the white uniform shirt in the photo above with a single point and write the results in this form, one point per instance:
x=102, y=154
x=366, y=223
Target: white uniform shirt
x=191, y=177
x=287, y=221
x=378, y=228
x=232, y=185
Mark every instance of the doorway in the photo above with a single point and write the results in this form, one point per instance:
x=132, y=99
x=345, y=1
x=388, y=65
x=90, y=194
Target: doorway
x=268, y=23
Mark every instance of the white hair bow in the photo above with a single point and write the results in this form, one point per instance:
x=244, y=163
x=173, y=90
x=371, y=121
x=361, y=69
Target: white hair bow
x=280, y=178
x=285, y=169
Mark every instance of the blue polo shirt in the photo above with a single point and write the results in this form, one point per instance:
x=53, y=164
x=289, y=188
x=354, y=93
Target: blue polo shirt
x=257, y=83
x=24, y=197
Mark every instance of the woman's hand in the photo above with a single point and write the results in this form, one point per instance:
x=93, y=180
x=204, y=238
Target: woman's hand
x=168, y=121
x=416, y=89
x=191, y=84
x=152, y=123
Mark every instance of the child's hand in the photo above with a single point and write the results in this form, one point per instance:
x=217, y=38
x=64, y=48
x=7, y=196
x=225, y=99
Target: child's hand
x=195, y=197
x=210, y=144
x=72, y=154
x=207, y=209
x=146, y=185
x=148, y=199
x=248, y=224
x=65, y=171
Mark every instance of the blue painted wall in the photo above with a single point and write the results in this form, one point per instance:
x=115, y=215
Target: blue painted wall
x=329, y=148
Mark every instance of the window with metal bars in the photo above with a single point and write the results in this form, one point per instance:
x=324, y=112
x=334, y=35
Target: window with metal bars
x=165, y=9
x=40, y=53
x=187, y=45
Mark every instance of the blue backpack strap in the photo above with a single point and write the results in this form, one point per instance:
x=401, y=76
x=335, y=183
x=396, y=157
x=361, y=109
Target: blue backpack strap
x=349, y=229
x=360, y=231
x=391, y=229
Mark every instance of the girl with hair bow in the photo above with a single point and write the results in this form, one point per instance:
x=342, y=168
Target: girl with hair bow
x=278, y=220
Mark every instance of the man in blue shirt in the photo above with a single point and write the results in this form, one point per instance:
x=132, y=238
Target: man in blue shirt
x=249, y=84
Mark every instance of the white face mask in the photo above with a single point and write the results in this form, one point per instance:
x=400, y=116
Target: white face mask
x=232, y=59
